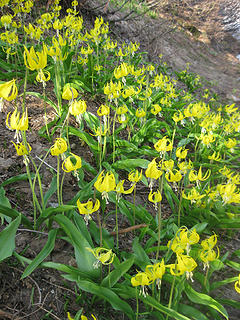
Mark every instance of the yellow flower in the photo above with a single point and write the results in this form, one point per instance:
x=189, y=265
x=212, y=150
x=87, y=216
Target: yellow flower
x=140, y=113
x=17, y=123
x=181, y=154
x=207, y=253
x=86, y=51
x=6, y=20
x=168, y=165
x=105, y=184
x=171, y=177
x=215, y=156
x=69, y=93
x=207, y=139
x=59, y=147
x=72, y=163
x=153, y=172
x=134, y=176
x=141, y=279
x=155, y=197
x=156, y=272
x=193, y=195
x=230, y=143
x=87, y=208
x=77, y=107
x=178, y=116
x=43, y=76
x=35, y=60
x=156, y=109
x=8, y=90
x=183, y=240
x=21, y=149
x=103, y=110
x=163, y=145
x=120, y=189
x=121, y=71
x=185, y=166
x=193, y=176
x=184, y=264
x=228, y=193
x=231, y=109
x=104, y=256
x=237, y=284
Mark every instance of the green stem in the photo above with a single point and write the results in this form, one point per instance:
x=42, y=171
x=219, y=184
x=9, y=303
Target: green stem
x=171, y=295
x=137, y=311
x=61, y=188
x=45, y=111
x=116, y=213
x=100, y=229
x=159, y=213
x=134, y=206
x=113, y=136
x=58, y=186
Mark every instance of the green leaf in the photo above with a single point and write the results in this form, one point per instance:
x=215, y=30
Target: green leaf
x=81, y=225
x=90, y=141
x=142, y=258
x=20, y=177
x=218, y=284
x=153, y=303
x=7, y=239
x=108, y=295
x=46, y=250
x=47, y=213
x=84, y=258
x=233, y=264
x=4, y=201
x=191, y=312
x=201, y=298
x=130, y=164
x=91, y=120
x=51, y=190
x=15, y=214
x=112, y=278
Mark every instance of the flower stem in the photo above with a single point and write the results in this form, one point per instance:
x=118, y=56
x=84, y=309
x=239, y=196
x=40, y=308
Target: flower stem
x=171, y=295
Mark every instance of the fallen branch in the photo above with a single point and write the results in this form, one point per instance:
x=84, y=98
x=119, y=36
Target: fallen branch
x=129, y=229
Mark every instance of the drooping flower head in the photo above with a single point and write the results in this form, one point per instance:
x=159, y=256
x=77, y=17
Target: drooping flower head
x=59, y=147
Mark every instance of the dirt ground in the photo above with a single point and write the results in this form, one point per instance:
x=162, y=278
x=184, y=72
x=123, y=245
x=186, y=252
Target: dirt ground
x=209, y=52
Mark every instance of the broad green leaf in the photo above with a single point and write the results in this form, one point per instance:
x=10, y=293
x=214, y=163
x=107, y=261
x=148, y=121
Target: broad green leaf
x=7, y=239
x=153, y=303
x=201, y=298
x=230, y=302
x=130, y=164
x=191, y=312
x=108, y=295
x=46, y=250
x=233, y=264
x=84, y=258
x=91, y=120
x=142, y=258
x=90, y=141
x=15, y=214
x=74, y=272
x=218, y=284
x=51, y=190
x=4, y=201
x=49, y=212
x=112, y=278
x=81, y=225
x=20, y=177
